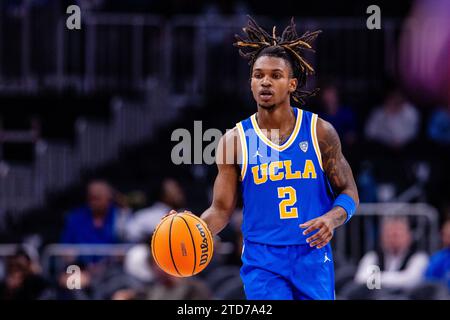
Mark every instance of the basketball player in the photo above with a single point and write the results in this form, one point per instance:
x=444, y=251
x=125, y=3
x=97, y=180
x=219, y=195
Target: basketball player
x=296, y=185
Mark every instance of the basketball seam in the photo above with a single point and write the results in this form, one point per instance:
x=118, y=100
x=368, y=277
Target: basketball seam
x=170, y=245
x=193, y=244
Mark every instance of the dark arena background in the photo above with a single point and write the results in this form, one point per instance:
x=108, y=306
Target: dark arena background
x=87, y=120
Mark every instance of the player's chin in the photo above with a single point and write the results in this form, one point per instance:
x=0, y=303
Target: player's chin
x=266, y=104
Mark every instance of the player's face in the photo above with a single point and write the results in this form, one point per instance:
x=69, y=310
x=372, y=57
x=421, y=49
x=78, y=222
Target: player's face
x=271, y=82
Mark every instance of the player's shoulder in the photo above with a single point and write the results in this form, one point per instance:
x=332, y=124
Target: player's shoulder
x=325, y=130
x=229, y=146
x=230, y=136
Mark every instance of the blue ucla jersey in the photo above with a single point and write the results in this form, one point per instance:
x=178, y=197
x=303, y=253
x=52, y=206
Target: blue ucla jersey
x=284, y=185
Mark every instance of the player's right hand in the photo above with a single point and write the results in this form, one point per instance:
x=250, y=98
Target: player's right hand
x=169, y=213
x=174, y=212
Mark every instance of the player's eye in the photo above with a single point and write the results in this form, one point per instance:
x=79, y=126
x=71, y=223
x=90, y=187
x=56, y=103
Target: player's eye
x=277, y=76
x=257, y=75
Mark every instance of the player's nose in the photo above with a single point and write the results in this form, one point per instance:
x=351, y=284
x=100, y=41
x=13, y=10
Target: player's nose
x=265, y=82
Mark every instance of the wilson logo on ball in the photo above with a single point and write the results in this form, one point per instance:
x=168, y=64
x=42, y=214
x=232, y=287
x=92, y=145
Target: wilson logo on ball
x=203, y=246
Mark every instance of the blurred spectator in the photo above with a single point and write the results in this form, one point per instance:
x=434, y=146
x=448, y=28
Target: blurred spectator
x=165, y=286
x=439, y=267
x=137, y=263
x=367, y=185
x=100, y=221
x=168, y=287
x=144, y=221
x=100, y=281
x=426, y=73
x=439, y=126
x=22, y=279
x=401, y=266
x=394, y=124
x=341, y=117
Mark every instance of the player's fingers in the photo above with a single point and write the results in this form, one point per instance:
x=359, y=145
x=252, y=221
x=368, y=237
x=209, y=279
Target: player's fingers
x=315, y=243
x=324, y=243
x=318, y=235
x=320, y=240
x=170, y=213
x=307, y=223
x=311, y=229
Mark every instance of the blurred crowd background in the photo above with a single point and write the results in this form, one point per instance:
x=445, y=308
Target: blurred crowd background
x=86, y=121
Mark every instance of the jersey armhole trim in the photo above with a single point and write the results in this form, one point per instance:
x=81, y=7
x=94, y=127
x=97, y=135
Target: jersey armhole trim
x=244, y=157
x=315, y=140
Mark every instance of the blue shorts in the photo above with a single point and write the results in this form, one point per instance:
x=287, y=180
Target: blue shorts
x=295, y=272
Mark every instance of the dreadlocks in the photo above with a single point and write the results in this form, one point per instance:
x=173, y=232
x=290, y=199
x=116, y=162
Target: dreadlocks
x=289, y=47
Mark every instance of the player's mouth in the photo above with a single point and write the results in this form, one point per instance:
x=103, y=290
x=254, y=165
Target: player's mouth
x=266, y=94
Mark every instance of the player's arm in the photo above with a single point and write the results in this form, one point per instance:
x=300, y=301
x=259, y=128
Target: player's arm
x=225, y=191
x=336, y=167
x=341, y=179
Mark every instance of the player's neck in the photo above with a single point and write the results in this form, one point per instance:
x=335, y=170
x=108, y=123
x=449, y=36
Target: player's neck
x=279, y=117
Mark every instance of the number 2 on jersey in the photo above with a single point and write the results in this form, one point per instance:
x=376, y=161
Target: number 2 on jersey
x=288, y=201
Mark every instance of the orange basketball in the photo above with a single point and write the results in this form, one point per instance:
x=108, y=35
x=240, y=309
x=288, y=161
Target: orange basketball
x=182, y=245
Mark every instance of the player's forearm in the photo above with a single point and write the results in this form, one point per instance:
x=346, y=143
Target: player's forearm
x=216, y=219
x=338, y=215
x=352, y=191
x=344, y=183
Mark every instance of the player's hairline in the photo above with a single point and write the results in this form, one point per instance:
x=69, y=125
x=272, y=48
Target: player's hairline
x=289, y=65
x=261, y=69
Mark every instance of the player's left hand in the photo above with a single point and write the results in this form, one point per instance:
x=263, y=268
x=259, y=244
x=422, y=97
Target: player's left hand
x=325, y=228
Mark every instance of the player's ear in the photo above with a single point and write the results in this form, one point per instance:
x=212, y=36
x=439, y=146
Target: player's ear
x=293, y=82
